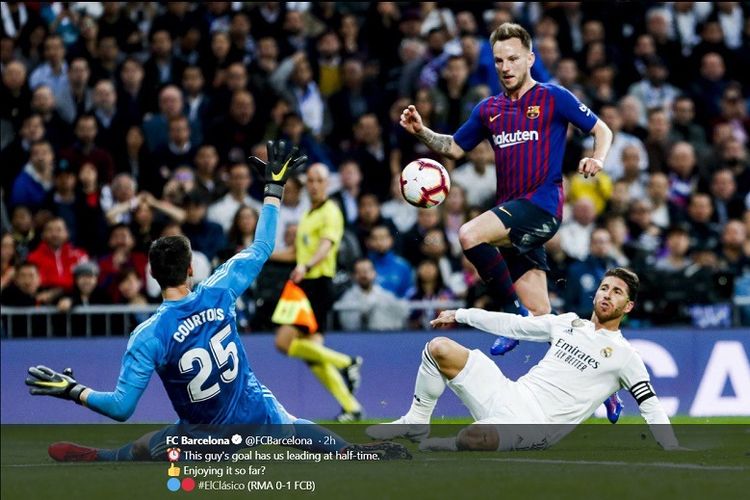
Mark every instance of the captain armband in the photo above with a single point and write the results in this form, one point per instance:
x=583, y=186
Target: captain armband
x=642, y=391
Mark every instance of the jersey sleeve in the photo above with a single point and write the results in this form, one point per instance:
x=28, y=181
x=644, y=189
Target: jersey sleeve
x=535, y=329
x=573, y=110
x=333, y=225
x=238, y=273
x=472, y=132
x=635, y=378
x=144, y=353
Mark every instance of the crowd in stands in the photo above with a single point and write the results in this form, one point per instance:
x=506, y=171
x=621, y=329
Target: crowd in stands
x=126, y=121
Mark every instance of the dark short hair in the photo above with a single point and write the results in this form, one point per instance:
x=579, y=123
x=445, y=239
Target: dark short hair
x=169, y=257
x=630, y=279
x=506, y=31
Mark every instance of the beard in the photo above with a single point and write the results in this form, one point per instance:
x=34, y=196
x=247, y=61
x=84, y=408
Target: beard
x=520, y=81
x=608, y=315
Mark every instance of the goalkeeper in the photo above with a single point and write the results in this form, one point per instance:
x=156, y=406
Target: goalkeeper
x=192, y=342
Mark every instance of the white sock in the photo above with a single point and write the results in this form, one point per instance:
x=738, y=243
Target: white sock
x=428, y=388
x=439, y=444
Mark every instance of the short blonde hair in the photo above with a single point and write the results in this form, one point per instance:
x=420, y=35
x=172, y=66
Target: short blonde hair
x=506, y=31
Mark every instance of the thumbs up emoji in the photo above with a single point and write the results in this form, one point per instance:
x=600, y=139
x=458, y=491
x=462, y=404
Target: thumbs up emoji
x=173, y=471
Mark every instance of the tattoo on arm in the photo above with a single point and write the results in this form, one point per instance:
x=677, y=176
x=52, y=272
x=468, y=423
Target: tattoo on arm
x=440, y=143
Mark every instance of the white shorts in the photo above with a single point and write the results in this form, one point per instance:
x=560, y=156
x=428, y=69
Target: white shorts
x=494, y=399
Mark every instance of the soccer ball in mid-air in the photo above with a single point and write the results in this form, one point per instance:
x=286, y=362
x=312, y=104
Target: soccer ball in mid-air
x=425, y=183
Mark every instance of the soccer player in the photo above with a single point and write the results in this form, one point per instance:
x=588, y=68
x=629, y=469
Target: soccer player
x=586, y=361
x=526, y=126
x=319, y=234
x=192, y=342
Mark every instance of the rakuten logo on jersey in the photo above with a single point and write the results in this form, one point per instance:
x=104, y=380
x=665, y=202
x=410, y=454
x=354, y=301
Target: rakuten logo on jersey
x=507, y=139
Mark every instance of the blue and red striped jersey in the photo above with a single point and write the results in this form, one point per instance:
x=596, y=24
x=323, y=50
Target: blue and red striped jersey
x=528, y=137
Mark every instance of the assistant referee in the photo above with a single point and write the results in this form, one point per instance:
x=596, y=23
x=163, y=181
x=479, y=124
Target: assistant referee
x=317, y=242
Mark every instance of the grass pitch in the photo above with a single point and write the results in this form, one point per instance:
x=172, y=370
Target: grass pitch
x=621, y=461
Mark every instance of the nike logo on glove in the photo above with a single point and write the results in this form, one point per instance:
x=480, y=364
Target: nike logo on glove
x=280, y=175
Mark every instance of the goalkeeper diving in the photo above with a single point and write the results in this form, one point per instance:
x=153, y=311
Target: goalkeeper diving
x=192, y=342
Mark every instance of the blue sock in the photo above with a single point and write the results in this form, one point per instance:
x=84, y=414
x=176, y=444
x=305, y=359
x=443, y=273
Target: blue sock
x=493, y=270
x=124, y=454
x=323, y=440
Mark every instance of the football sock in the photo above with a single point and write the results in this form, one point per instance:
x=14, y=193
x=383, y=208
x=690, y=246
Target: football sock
x=439, y=444
x=314, y=352
x=323, y=440
x=428, y=388
x=124, y=454
x=493, y=270
x=332, y=380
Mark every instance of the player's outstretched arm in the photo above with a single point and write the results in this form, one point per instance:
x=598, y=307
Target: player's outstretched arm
x=535, y=329
x=241, y=270
x=444, y=144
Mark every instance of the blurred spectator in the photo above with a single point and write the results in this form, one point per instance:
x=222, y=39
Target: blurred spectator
x=205, y=236
x=122, y=256
x=478, y=176
x=293, y=131
x=56, y=130
x=597, y=188
x=84, y=149
x=613, y=164
x=111, y=124
x=198, y=103
x=15, y=93
x=654, y=91
x=393, y=272
x=704, y=234
x=677, y=244
x=664, y=212
x=733, y=255
x=434, y=247
x=682, y=176
x=427, y=218
x=454, y=98
x=107, y=60
x=242, y=232
x=53, y=72
x=17, y=19
x=367, y=306
x=62, y=200
x=369, y=216
x=114, y=23
x=734, y=112
x=32, y=185
x=633, y=117
x=618, y=232
x=708, y=87
x=429, y=286
x=8, y=260
x=583, y=276
x=55, y=256
x=373, y=155
x=156, y=128
x=131, y=96
x=684, y=127
x=24, y=291
x=327, y=64
x=234, y=133
x=123, y=199
x=575, y=232
x=727, y=205
x=658, y=140
x=16, y=154
x=238, y=183
x=85, y=292
x=129, y=288
x=207, y=180
x=454, y=216
x=293, y=79
x=645, y=236
x=22, y=229
x=178, y=151
x=403, y=214
x=632, y=174
x=351, y=184
x=162, y=68
x=75, y=97
x=353, y=100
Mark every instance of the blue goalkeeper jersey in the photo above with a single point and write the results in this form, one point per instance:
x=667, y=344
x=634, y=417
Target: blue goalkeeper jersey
x=194, y=346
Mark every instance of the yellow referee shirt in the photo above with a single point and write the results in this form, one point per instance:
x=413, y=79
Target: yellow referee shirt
x=324, y=222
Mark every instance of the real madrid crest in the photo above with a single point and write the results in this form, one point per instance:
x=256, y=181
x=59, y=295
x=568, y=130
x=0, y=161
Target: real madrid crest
x=532, y=112
x=607, y=352
x=577, y=323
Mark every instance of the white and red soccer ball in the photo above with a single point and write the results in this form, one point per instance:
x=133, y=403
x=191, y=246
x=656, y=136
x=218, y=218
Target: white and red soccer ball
x=425, y=183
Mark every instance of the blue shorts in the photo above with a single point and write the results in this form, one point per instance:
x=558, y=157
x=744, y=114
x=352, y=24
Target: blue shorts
x=530, y=228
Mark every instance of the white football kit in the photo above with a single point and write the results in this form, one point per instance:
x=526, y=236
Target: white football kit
x=582, y=367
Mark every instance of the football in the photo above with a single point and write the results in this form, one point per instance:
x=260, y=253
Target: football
x=425, y=183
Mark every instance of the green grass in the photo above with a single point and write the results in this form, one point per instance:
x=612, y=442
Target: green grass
x=619, y=461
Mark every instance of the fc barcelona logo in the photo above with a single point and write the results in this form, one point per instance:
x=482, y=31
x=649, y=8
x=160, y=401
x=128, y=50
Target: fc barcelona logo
x=532, y=112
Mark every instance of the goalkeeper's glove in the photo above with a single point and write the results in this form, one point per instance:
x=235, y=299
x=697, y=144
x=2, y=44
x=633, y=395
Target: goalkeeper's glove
x=279, y=167
x=47, y=382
